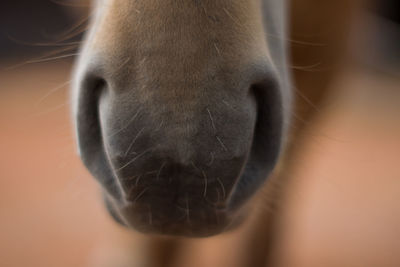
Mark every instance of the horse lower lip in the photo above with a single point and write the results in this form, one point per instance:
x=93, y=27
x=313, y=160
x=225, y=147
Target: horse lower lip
x=158, y=211
x=164, y=199
x=174, y=220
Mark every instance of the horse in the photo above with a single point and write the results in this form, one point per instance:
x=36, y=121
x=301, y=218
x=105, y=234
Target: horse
x=183, y=111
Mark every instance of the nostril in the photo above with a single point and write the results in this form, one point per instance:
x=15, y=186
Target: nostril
x=87, y=114
x=89, y=132
x=266, y=142
x=269, y=116
x=92, y=83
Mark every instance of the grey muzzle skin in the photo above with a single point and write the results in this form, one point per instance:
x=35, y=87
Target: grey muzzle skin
x=179, y=166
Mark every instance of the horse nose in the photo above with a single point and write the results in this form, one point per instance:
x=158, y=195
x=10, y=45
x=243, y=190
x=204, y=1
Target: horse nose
x=166, y=144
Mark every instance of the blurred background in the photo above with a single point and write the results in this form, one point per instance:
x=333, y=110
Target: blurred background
x=342, y=207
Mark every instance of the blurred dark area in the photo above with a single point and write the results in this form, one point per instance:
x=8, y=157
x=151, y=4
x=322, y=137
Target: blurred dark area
x=31, y=27
x=383, y=32
x=390, y=9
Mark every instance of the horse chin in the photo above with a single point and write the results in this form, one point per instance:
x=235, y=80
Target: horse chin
x=192, y=217
x=180, y=222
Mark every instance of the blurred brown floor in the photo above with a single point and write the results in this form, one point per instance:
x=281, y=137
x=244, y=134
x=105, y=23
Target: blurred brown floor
x=343, y=209
x=50, y=210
